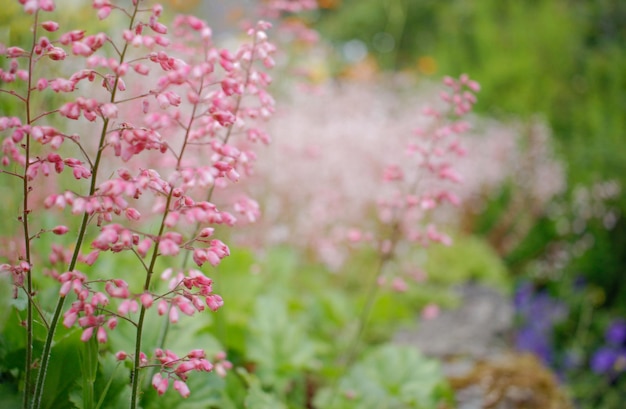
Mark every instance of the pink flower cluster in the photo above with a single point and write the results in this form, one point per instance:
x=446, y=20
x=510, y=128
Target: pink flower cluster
x=155, y=125
x=370, y=163
x=174, y=367
x=421, y=183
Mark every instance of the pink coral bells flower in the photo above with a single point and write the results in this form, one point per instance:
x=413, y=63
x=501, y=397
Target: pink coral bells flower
x=104, y=12
x=60, y=230
x=101, y=335
x=181, y=115
x=182, y=388
x=159, y=383
x=50, y=26
x=146, y=300
x=86, y=335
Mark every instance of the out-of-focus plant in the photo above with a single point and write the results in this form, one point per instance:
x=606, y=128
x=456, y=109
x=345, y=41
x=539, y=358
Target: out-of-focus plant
x=413, y=177
x=565, y=326
x=567, y=317
x=390, y=376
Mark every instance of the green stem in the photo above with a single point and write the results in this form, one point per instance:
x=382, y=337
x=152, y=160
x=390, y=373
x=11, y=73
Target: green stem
x=45, y=356
x=372, y=290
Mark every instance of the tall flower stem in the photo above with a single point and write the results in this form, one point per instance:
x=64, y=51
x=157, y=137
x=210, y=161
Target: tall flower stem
x=134, y=400
x=24, y=218
x=229, y=131
x=45, y=356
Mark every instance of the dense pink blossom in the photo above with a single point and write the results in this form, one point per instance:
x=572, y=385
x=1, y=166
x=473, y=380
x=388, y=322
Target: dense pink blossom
x=147, y=131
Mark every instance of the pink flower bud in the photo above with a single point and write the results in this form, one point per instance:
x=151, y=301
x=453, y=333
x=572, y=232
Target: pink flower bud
x=109, y=110
x=65, y=289
x=46, y=5
x=101, y=335
x=214, y=302
x=159, y=383
x=42, y=84
x=146, y=299
x=127, y=306
x=185, y=367
x=197, y=353
x=86, y=335
x=168, y=247
x=13, y=52
x=182, y=388
x=112, y=323
x=159, y=28
x=69, y=319
x=60, y=230
x=195, y=23
x=80, y=48
x=162, y=307
x=50, y=26
x=132, y=214
x=206, y=232
x=173, y=316
x=141, y=69
x=104, y=13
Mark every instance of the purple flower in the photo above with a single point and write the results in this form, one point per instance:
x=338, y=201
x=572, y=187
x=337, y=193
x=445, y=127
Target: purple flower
x=604, y=360
x=529, y=339
x=616, y=332
x=523, y=295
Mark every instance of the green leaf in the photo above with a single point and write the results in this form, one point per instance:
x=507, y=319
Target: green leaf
x=257, y=398
x=389, y=376
x=63, y=372
x=278, y=344
x=9, y=397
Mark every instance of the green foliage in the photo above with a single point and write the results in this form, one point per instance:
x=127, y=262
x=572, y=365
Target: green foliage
x=389, y=376
x=110, y=388
x=257, y=398
x=63, y=373
x=469, y=258
x=278, y=344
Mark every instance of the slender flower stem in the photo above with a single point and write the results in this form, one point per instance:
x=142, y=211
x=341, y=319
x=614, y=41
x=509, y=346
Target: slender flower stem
x=229, y=131
x=45, y=356
x=150, y=271
x=27, y=239
x=370, y=298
